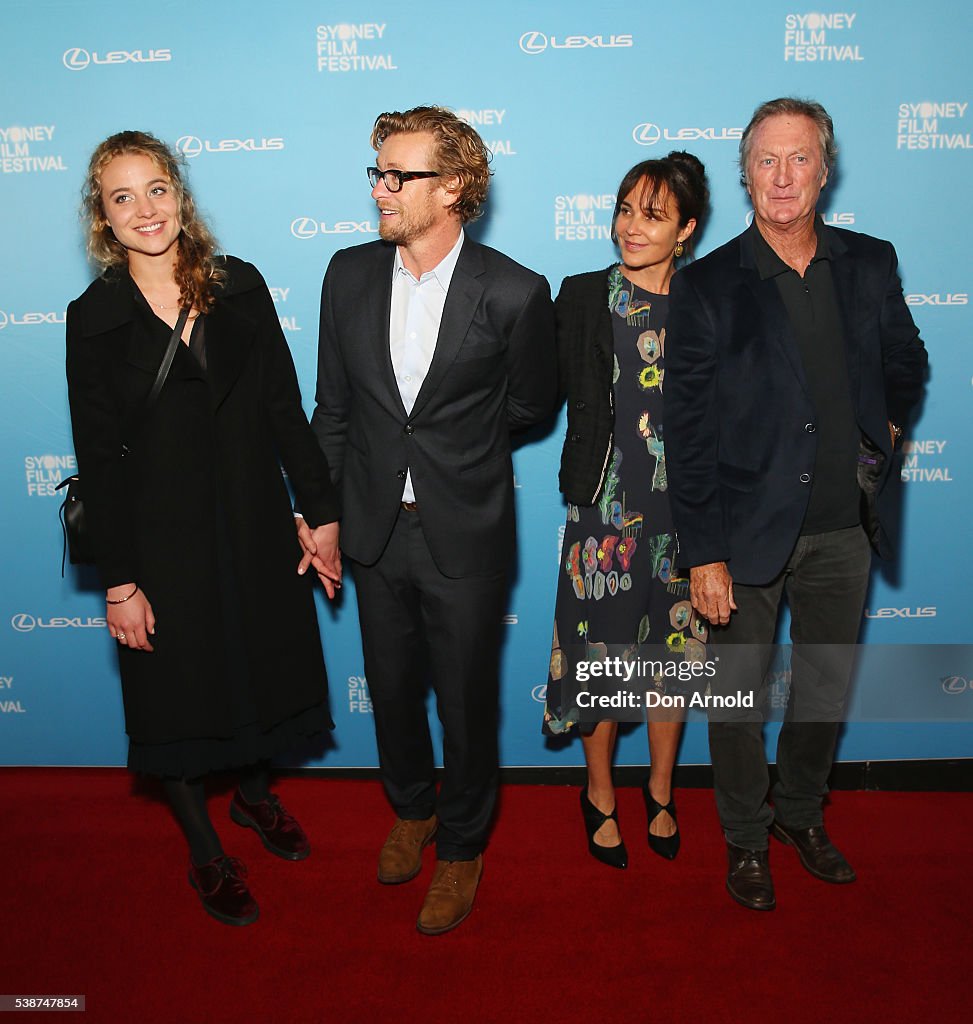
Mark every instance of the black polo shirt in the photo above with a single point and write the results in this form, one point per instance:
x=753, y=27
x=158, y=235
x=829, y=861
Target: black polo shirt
x=812, y=309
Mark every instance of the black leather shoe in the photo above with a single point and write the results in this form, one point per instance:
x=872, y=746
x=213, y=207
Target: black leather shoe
x=664, y=846
x=818, y=854
x=748, y=880
x=613, y=856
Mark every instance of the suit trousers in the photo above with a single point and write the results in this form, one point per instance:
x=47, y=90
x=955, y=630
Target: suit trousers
x=419, y=626
x=825, y=581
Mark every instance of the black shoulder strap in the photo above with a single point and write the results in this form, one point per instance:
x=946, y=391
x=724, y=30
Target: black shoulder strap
x=160, y=377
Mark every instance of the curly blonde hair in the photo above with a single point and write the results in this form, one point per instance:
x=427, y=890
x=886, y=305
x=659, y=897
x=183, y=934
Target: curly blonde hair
x=197, y=271
x=460, y=152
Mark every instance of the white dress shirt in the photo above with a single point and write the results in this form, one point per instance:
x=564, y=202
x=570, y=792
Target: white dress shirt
x=417, y=311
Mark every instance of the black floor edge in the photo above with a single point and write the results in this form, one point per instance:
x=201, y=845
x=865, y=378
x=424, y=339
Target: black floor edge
x=941, y=775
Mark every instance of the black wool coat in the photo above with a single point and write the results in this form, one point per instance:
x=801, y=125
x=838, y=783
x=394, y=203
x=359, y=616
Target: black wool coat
x=202, y=475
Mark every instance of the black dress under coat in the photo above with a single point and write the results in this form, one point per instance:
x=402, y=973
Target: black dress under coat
x=201, y=479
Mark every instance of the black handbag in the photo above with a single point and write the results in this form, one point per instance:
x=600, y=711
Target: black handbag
x=78, y=546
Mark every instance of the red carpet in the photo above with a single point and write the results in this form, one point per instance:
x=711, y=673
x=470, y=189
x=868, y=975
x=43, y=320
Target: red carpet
x=95, y=901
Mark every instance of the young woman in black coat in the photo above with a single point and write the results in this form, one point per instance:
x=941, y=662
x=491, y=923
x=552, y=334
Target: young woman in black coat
x=207, y=597
x=620, y=595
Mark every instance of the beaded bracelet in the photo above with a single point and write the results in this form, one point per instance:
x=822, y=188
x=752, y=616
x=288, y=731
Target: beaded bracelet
x=124, y=599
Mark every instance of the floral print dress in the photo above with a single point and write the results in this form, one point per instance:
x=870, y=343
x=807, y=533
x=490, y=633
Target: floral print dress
x=619, y=593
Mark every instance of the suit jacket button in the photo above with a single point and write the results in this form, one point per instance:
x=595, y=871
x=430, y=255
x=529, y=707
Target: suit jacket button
x=805, y=478
x=579, y=404
x=575, y=438
x=401, y=474
x=809, y=427
x=409, y=429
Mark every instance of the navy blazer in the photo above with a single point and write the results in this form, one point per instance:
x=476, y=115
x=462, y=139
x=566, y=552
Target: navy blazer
x=493, y=371
x=740, y=425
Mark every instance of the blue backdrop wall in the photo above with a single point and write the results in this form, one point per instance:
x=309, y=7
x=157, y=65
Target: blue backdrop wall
x=272, y=106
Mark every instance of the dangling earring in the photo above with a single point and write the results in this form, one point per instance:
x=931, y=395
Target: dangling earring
x=679, y=250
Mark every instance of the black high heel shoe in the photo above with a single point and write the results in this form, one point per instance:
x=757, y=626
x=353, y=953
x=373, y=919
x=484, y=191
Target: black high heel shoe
x=613, y=856
x=664, y=846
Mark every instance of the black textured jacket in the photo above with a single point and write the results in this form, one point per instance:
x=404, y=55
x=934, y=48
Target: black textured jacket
x=586, y=357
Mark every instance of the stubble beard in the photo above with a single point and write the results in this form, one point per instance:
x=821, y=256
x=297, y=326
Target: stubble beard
x=405, y=228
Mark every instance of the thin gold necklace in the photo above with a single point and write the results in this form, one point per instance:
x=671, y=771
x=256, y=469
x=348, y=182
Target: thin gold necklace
x=158, y=305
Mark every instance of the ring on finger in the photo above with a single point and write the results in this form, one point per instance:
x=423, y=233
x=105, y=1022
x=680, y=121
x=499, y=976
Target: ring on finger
x=120, y=636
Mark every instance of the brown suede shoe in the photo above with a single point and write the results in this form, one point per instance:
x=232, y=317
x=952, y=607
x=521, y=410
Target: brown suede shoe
x=401, y=856
x=451, y=893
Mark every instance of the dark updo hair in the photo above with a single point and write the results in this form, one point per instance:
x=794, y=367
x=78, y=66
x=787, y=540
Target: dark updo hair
x=679, y=174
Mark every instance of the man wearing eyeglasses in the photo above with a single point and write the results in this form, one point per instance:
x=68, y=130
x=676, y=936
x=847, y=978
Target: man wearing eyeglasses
x=432, y=349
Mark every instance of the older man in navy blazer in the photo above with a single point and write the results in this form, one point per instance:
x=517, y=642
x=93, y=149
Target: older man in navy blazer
x=793, y=364
x=432, y=349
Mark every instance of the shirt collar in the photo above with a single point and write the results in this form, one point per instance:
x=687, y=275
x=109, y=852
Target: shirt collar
x=769, y=264
x=443, y=271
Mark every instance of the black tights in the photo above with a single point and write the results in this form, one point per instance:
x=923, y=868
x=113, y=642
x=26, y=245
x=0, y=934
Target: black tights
x=188, y=801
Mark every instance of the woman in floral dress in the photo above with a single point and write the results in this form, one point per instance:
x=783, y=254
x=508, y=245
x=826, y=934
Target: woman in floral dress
x=620, y=594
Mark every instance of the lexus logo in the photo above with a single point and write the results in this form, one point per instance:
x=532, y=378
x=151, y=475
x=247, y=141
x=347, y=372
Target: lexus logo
x=954, y=684
x=76, y=59
x=646, y=134
x=304, y=227
x=24, y=622
x=533, y=42
x=539, y=693
x=189, y=146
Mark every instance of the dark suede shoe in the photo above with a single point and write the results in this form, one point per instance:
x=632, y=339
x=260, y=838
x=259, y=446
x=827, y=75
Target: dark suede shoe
x=748, y=880
x=664, y=846
x=614, y=856
x=278, y=830
x=401, y=857
x=223, y=891
x=818, y=854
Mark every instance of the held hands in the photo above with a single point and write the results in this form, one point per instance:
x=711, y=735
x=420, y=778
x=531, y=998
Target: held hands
x=711, y=592
x=321, y=553
x=130, y=622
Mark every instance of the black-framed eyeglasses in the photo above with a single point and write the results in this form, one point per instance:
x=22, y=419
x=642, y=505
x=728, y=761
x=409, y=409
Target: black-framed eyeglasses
x=394, y=180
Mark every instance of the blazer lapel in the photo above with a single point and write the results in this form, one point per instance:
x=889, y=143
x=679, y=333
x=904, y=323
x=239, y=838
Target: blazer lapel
x=771, y=311
x=604, y=334
x=462, y=299
x=844, y=276
x=376, y=306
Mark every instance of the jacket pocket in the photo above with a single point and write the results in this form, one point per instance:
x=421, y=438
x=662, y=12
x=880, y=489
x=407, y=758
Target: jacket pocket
x=871, y=471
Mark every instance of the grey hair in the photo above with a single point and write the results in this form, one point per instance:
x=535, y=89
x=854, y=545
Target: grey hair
x=794, y=106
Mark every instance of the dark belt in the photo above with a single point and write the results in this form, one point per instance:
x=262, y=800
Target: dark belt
x=410, y=506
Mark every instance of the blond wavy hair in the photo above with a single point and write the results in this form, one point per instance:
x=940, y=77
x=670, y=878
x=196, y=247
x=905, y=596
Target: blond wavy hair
x=197, y=271
x=460, y=152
